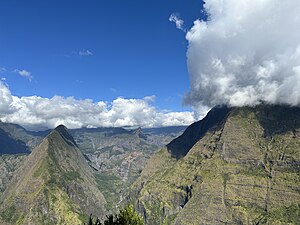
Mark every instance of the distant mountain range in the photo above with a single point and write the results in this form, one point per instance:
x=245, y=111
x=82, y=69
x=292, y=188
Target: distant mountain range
x=236, y=166
x=115, y=155
x=15, y=139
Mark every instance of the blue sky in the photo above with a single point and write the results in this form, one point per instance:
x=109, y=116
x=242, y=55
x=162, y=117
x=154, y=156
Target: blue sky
x=55, y=55
x=97, y=49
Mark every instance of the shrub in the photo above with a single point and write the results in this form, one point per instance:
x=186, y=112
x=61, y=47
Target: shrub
x=126, y=216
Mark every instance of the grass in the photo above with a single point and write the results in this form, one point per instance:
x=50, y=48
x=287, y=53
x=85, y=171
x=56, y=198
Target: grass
x=254, y=171
x=286, y=214
x=72, y=175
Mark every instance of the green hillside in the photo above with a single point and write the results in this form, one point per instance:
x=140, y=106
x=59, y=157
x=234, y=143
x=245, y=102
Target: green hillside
x=54, y=185
x=244, y=169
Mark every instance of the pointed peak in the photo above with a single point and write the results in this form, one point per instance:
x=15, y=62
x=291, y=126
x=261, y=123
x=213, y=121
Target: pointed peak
x=139, y=133
x=64, y=133
x=61, y=127
x=138, y=130
x=181, y=145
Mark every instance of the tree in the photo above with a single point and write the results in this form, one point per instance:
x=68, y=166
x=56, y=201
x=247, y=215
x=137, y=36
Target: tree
x=126, y=216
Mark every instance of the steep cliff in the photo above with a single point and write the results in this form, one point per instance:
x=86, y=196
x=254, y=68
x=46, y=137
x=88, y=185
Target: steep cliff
x=244, y=169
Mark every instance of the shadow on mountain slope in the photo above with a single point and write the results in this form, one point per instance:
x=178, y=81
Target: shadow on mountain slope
x=10, y=145
x=287, y=119
x=276, y=119
x=180, y=146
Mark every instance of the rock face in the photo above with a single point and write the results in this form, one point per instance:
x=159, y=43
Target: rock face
x=243, y=169
x=8, y=164
x=122, y=153
x=54, y=185
x=118, y=155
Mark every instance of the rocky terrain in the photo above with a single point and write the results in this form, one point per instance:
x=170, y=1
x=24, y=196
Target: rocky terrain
x=116, y=155
x=236, y=166
x=15, y=144
x=122, y=152
x=8, y=165
x=54, y=185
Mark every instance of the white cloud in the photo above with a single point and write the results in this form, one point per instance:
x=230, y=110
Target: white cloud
x=24, y=73
x=175, y=18
x=5, y=100
x=150, y=98
x=247, y=52
x=35, y=112
x=85, y=52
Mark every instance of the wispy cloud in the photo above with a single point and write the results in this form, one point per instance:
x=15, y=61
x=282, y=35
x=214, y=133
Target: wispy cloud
x=175, y=18
x=85, y=52
x=80, y=53
x=24, y=73
x=113, y=89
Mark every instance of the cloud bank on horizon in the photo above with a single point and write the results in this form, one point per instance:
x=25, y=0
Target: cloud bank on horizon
x=38, y=113
x=247, y=52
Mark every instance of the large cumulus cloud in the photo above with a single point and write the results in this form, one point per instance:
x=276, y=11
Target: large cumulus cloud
x=5, y=99
x=37, y=113
x=247, y=52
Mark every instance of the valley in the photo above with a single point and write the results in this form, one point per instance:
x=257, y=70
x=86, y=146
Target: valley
x=150, y=112
x=115, y=155
x=236, y=166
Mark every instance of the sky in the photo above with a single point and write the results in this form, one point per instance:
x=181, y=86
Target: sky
x=98, y=50
x=144, y=63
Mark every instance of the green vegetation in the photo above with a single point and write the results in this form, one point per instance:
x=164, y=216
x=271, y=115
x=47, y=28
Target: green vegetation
x=110, y=186
x=126, y=216
x=242, y=171
x=57, y=187
x=289, y=214
x=8, y=214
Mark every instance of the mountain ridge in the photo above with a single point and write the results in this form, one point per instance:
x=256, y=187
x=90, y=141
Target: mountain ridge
x=243, y=171
x=53, y=185
x=116, y=155
x=179, y=146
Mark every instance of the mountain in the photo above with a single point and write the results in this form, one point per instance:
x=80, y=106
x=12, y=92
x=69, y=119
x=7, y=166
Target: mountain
x=118, y=155
x=236, y=166
x=54, y=185
x=15, y=139
x=8, y=165
x=15, y=144
x=91, y=140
